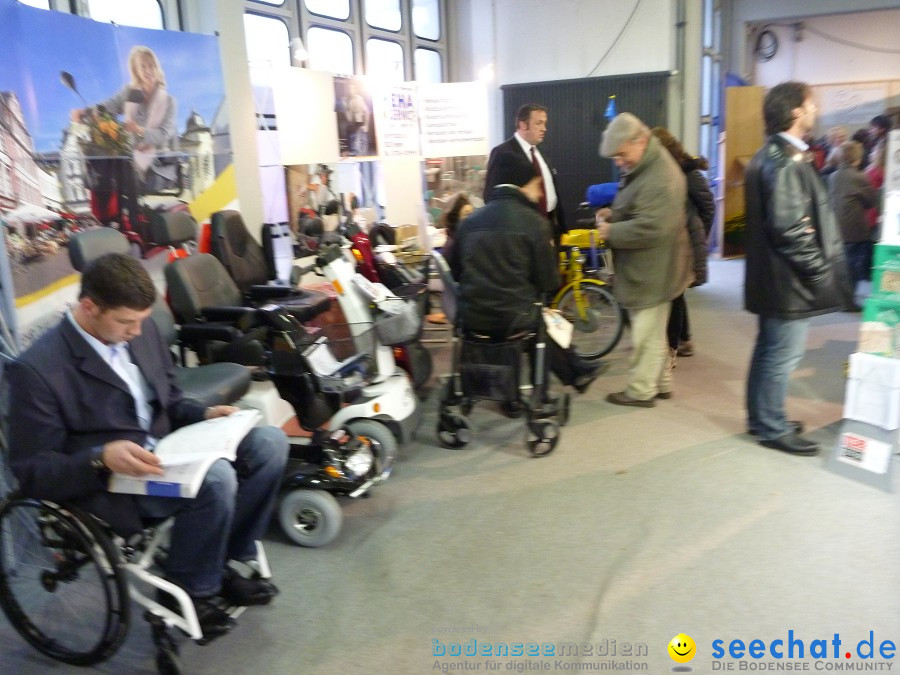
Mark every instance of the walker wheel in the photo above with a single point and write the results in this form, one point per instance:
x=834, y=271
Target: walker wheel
x=562, y=414
x=543, y=435
x=453, y=431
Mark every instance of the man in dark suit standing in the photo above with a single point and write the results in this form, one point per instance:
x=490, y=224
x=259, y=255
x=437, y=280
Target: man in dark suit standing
x=521, y=152
x=93, y=395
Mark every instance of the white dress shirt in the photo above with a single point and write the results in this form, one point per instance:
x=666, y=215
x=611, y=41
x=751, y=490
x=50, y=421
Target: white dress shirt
x=549, y=187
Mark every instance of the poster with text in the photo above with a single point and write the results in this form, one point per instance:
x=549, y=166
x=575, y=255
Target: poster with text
x=453, y=119
x=397, y=120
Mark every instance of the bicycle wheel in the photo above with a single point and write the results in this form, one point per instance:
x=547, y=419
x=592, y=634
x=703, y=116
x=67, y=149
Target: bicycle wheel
x=597, y=318
x=60, y=583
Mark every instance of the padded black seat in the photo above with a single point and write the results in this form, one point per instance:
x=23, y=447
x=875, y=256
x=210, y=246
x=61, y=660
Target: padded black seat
x=245, y=261
x=213, y=384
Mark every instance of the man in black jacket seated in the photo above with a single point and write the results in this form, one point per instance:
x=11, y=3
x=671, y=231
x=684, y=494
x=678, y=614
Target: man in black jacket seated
x=504, y=260
x=795, y=265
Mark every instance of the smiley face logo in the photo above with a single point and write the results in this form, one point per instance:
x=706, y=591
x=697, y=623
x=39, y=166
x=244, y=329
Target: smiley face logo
x=682, y=648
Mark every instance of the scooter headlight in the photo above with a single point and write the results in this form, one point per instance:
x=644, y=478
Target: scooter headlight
x=360, y=462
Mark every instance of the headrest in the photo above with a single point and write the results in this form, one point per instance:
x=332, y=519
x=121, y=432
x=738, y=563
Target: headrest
x=172, y=228
x=85, y=247
x=230, y=225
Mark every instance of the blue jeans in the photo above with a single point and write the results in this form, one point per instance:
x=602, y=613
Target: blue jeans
x=780, y=346
x=229, y=514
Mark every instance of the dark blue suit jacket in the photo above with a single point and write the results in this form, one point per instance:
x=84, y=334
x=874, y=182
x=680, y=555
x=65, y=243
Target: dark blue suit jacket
x=65, y=401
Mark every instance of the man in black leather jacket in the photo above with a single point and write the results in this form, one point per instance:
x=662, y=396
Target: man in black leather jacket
x=795, y=266
x=504, y=260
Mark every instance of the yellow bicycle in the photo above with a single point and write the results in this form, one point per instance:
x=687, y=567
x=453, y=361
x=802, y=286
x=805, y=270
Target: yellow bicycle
x=584, y=299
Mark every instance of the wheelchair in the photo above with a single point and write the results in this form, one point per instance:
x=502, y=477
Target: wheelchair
x=67, y=581
x=487, y=368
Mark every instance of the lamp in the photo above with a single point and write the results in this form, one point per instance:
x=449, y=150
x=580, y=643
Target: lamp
x=298, y=52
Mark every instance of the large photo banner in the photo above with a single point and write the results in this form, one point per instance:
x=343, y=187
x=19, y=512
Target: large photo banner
x=103, y=126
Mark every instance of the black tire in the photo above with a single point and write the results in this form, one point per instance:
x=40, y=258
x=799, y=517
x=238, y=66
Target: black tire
x=310, y=518
x=61, y=584
x=167, y=662
x=384, y=443
x=597, y=332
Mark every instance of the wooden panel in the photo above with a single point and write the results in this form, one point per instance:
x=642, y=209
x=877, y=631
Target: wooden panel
x=744, y=135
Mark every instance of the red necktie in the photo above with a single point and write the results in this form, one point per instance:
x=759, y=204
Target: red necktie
x=542, y=203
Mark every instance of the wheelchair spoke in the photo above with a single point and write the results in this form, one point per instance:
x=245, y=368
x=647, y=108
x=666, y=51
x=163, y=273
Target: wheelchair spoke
x=59, y=585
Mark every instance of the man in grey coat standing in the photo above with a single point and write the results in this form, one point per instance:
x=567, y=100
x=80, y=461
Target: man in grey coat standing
x=645, y=228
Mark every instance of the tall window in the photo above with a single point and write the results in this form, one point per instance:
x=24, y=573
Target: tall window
x=428, y=66
x=268, y=42
x=40, y=4
x=384, y=60
x=140, y=13
x=336, y=9
x=426, y=19
x=330, y=49
x=383, y=14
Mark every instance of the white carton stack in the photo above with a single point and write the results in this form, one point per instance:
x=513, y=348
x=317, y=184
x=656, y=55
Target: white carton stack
x=869, y=434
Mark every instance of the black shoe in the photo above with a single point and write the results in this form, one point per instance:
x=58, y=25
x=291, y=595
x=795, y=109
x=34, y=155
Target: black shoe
x=214, y=621
x=793, y=444
x=589, y=373
x=793, y=427
x=243, y=592
x=665, y=395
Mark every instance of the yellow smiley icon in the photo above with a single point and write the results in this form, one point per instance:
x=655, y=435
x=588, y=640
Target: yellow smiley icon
x=682, y=648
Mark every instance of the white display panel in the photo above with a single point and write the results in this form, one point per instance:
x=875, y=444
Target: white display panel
x=304, y=106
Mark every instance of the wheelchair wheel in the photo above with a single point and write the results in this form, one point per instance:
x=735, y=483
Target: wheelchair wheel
x=61, y=584
x=310, y=518
x=384, y=443
x=453, y=431
x=543, y=435
x=597, y=319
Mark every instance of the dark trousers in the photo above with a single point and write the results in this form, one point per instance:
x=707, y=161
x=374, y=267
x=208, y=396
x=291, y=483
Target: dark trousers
x=678, y=329
x=859, y=260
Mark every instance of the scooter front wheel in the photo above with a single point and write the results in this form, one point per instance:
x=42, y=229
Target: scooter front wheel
x=383, y=441
x=310, y=518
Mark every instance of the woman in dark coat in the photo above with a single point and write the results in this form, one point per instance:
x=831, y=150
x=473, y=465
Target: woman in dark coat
x=701, y=209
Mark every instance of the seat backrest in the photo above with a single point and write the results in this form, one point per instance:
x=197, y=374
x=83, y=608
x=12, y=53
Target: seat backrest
x=173, y=228
x=450, y=294
x=85, y=247
x=237, y=250
x=197, y=282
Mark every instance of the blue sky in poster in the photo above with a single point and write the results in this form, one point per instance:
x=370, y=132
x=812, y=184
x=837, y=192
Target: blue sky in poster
x=96, y=54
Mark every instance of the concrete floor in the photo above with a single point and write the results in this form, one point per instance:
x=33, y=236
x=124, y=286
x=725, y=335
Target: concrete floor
x=643, y=524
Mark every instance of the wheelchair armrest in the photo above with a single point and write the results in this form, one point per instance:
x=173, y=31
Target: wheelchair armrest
x=260, y=292
x=231, y=314
x=194, y=333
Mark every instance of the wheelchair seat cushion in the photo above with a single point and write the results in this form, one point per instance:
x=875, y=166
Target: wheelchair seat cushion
x=214, y=384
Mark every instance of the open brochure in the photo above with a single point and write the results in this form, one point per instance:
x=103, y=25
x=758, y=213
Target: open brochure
x=186, y=455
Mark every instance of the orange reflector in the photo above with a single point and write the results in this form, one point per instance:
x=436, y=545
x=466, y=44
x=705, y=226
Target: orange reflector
x=357, y=254
x=334, y=473
x=338, y=287
x=377, y=407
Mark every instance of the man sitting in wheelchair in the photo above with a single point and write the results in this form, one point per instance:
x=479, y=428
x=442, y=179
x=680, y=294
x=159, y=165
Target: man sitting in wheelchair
x=89, y=398
x=504, y=260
